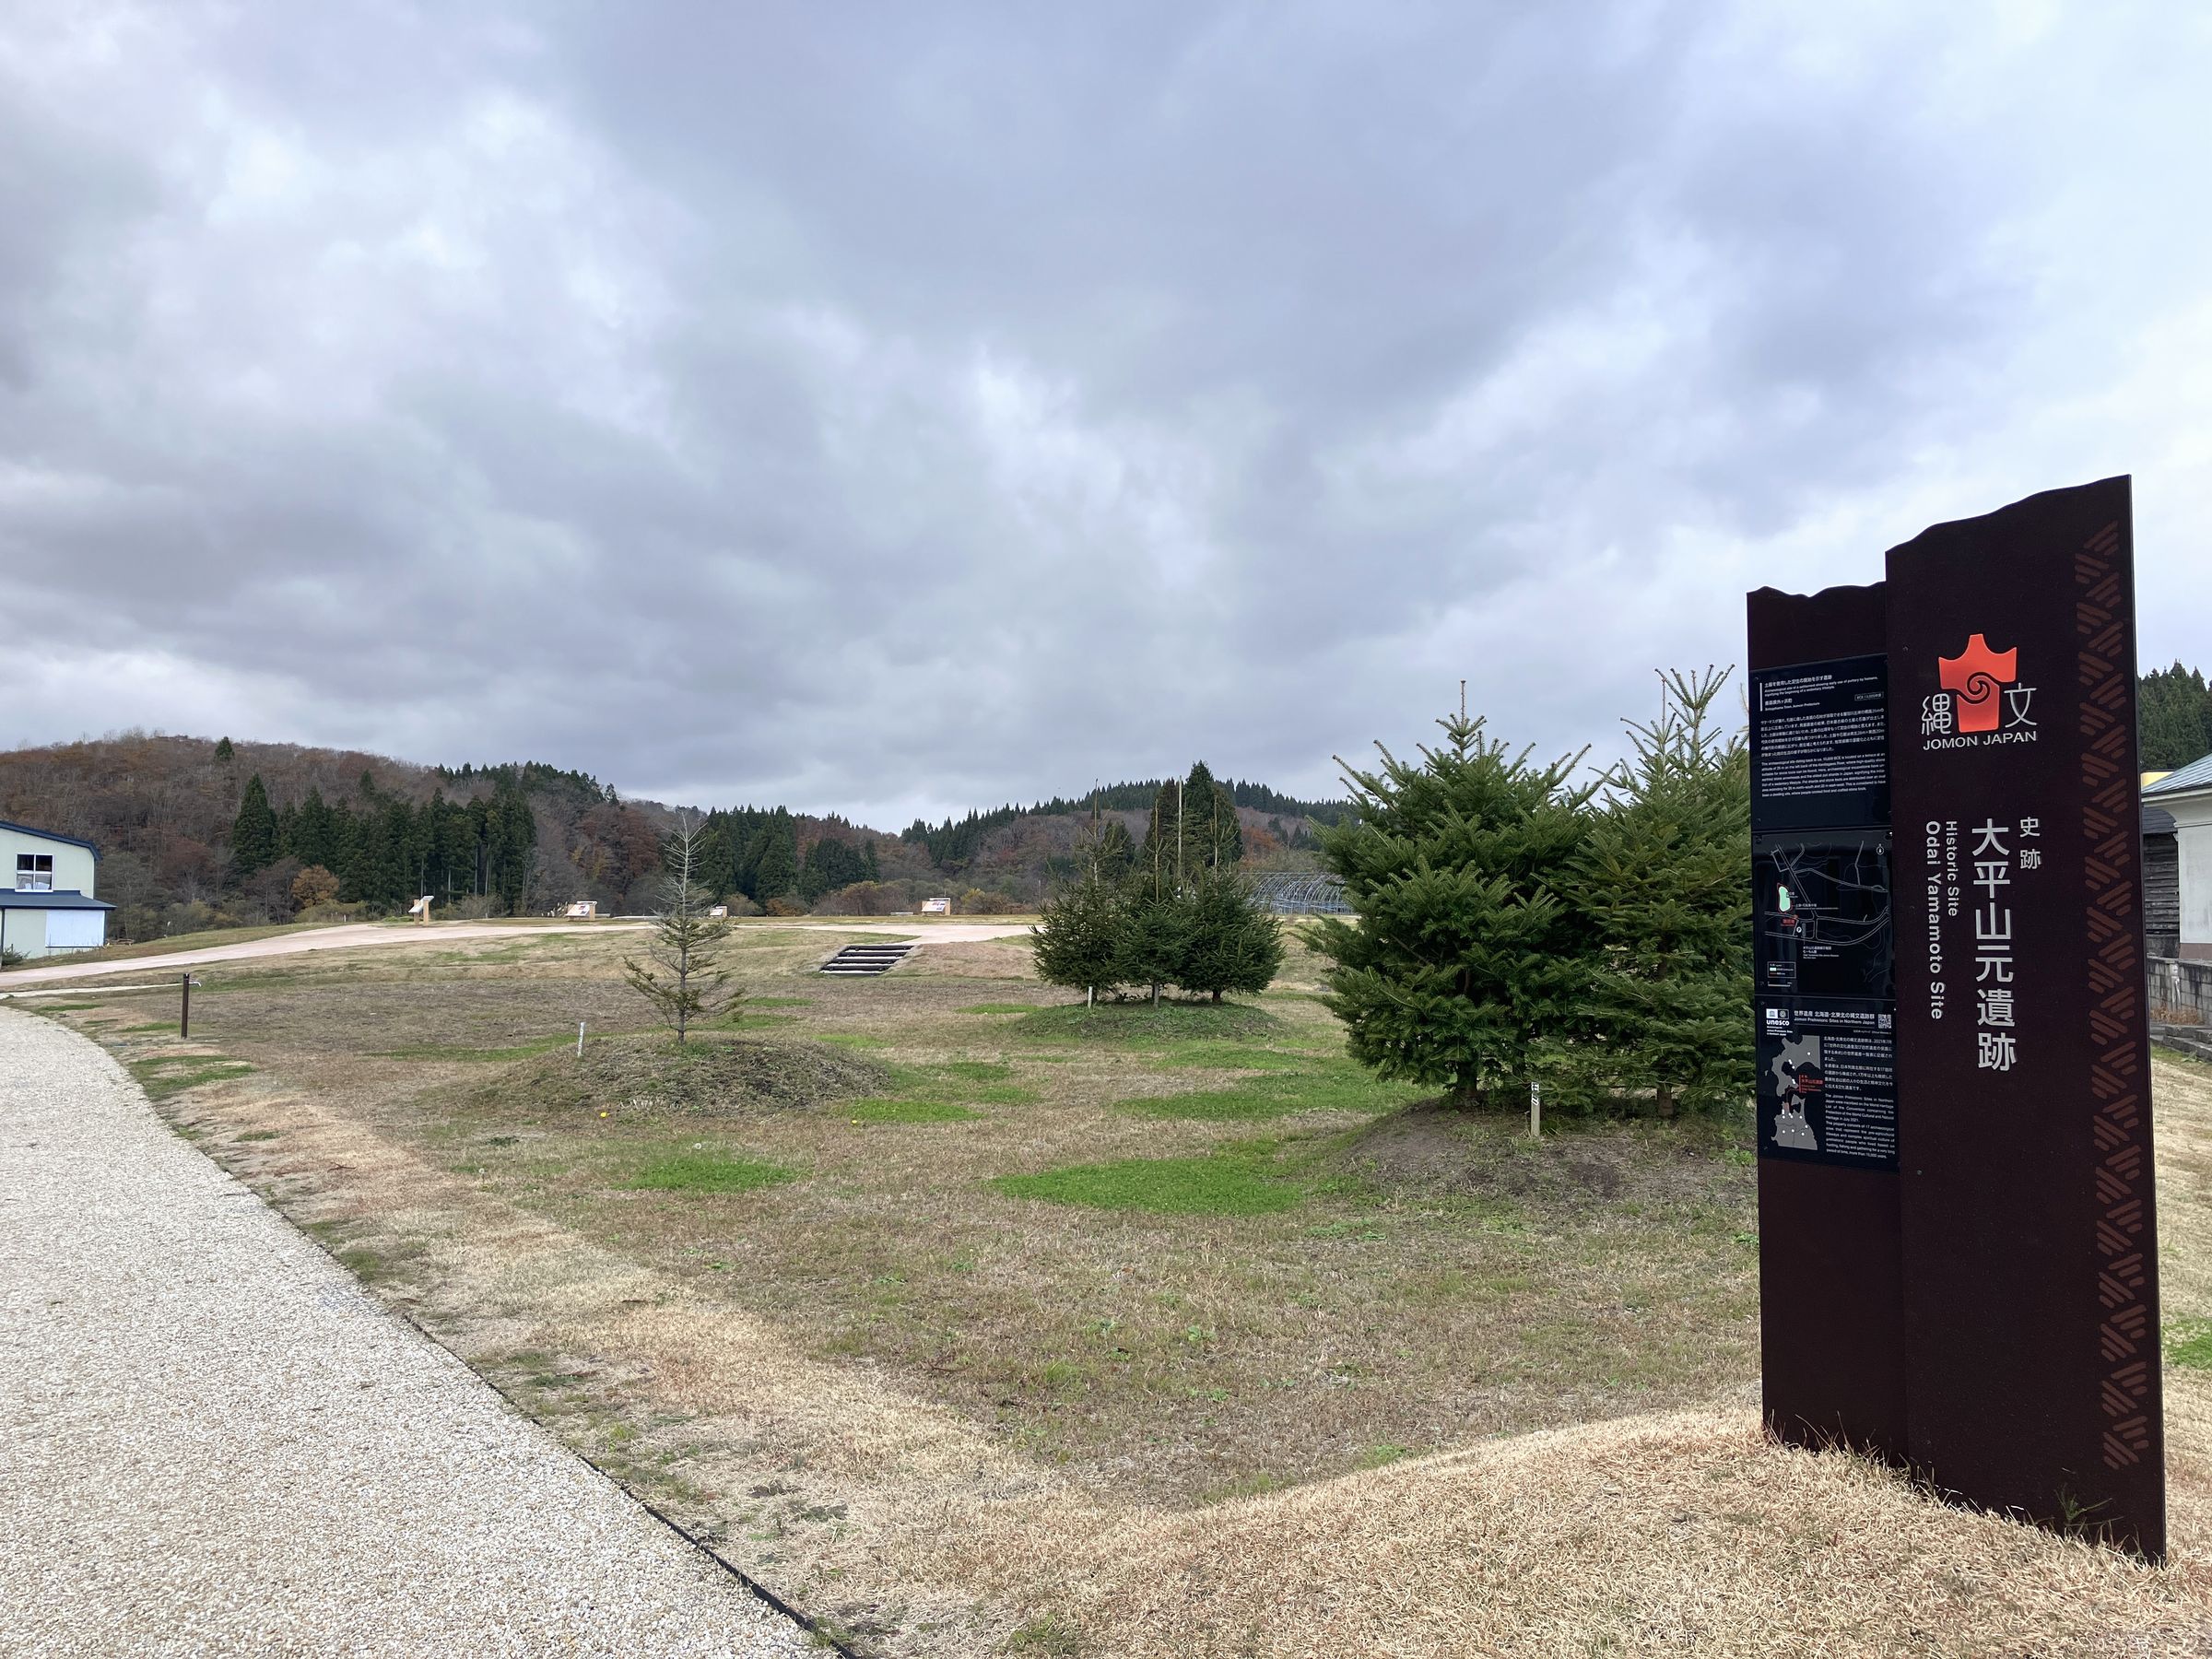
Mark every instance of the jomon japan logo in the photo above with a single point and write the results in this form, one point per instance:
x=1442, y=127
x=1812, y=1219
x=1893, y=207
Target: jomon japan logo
x=1981, y=701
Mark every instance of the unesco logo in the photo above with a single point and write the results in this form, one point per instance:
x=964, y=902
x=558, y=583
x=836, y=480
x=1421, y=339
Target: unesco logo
x=1981, y=701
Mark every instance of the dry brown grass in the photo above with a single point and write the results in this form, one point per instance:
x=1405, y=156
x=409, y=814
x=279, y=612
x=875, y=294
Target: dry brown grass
x=951, y=1420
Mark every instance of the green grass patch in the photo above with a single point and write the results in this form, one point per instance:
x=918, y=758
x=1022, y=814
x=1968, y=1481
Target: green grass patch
x=778, y=1002
x=167, y=1075
x=1229, y=1182
x=261, y=1135
x=909, y=1111
x=60, y=1007
x=957, y=1083
x=1045, y=1638
x=708, y=1172
x=2189, y=1344
x=1141, y=1025
x=1226, y=1056
x=976, y=1071
x=151, y=1027
x=1329, y=1086
x=1000, y=1008
x=855, y=1039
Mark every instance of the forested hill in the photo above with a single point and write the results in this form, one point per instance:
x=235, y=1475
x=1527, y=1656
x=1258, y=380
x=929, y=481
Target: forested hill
x=197, y=832
x=1284, y=821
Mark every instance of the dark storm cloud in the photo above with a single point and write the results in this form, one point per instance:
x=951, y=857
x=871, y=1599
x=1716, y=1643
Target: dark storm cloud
x=906, y=409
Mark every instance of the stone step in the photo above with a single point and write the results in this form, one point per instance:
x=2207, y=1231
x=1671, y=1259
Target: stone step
x=861, y=961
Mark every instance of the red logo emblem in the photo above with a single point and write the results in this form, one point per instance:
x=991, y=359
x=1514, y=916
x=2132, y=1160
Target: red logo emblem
x=1977, y=674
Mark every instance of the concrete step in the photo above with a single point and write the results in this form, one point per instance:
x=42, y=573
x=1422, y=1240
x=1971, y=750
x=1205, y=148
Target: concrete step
x=866, y=961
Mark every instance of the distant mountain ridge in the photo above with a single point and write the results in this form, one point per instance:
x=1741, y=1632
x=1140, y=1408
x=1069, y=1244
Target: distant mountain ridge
x=162, y=808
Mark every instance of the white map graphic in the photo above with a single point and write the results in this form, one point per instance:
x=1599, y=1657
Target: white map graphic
x=1790, y=1126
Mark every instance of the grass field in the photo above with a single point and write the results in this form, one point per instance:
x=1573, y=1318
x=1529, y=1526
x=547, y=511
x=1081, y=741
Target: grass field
x=972, y=1321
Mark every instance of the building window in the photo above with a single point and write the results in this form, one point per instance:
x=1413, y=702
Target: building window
x=34, y=872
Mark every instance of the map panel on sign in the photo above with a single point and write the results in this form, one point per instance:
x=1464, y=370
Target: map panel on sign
x=1822, y=926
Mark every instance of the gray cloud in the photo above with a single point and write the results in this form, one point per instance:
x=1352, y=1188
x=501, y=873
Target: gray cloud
x=899, y=410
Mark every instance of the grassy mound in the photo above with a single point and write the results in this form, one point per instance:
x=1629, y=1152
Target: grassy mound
x=1141, y=1025
x=1434, y=1149
x=710, y=1076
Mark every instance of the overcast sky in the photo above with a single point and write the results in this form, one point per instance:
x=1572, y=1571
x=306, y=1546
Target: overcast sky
x=895, y=409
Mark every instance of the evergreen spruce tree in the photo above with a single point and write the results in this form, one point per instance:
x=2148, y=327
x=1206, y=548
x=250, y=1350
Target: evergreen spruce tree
x=393, y=876
x=814, y=876
x=1079, y=940
x=1161, y=830
x=776, y=866
x=512, y=846
x=1114, y=853
x=1225, y=833
x=1228, y=942
x=2173, y=717
x=1200, y=833
x=830, y=865
x=252, y=832
x=1465, y=964
x=314, y=833
x=1663, y=878
x=224, y=753
x=457, y=852
x=1154, y=919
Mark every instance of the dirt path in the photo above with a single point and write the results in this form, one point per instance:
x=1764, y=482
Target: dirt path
x=217, y=1441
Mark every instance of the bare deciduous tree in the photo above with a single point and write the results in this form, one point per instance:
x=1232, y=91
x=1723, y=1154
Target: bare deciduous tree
x=681, y=974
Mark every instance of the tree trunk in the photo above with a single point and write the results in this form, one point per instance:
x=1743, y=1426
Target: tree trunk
x=1665, y=1099
x=1216, y=996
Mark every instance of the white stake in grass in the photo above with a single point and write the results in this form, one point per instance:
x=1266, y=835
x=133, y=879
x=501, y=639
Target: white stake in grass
x=579, y=1039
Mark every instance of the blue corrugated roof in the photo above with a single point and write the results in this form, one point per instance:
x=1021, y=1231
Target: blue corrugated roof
x=49, y=835
x=2198, y=774
x=15, y=899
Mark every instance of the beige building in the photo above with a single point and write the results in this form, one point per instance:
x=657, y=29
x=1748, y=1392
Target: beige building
x=47, y=902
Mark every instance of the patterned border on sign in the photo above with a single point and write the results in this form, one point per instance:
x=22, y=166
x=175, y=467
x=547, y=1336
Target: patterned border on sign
x=2128, y=1343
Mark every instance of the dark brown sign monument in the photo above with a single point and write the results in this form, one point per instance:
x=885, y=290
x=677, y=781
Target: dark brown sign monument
x=1957, y=1240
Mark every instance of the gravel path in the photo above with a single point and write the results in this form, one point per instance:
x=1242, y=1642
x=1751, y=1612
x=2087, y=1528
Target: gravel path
x=367, y=934
x=213, y=1441
x=350, y=935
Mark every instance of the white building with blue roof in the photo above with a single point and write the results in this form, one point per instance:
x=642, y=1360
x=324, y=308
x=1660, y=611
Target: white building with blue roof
x=2185, y=797
x=47, y=903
